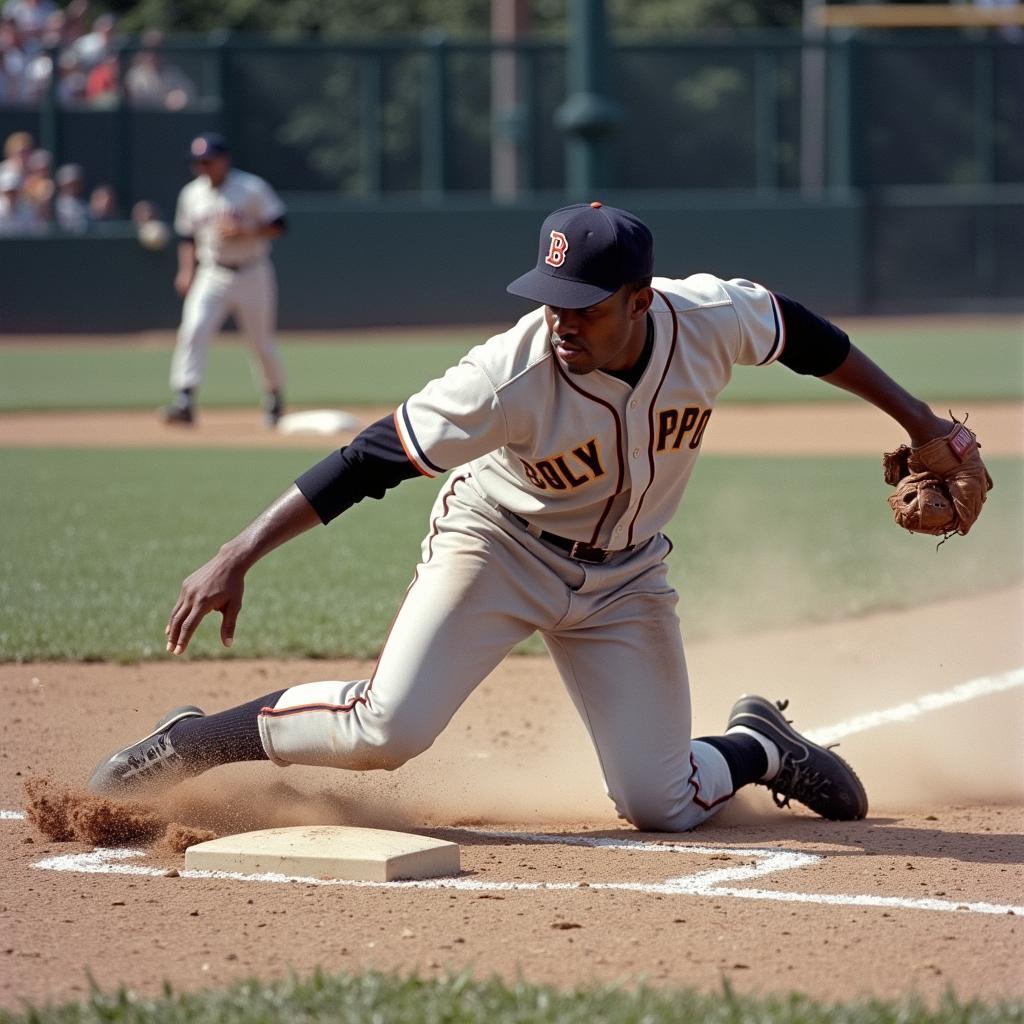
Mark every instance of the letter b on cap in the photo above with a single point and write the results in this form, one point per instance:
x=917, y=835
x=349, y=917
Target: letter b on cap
x=559, y=247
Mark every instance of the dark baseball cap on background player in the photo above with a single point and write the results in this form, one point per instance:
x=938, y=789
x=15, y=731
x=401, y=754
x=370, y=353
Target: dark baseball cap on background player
x=587, y=252
x=207, y=145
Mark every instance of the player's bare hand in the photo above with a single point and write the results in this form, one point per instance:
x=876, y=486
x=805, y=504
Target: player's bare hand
x=930, y=427
x=216, y=587
x=182, y=282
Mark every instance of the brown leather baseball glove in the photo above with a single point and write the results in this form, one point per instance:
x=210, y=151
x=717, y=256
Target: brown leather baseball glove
x=941, y=486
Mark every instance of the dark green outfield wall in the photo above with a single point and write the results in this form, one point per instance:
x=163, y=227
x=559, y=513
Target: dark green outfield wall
x=401, y=265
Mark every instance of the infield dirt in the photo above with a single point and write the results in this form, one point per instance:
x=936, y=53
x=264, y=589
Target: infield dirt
x=946, y=825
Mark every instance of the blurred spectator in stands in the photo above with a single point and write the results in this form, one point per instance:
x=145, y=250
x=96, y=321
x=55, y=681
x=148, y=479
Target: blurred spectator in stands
x=39, y=69
x=38, y=186
x=71, y=80
x=144, y=211
x=150, y=82
x=99, y=44
x=17, y=217
x=30, y=17
x=72, y=211
x=103, y=204
x=12, y=63
x=101, y=83
x=74, y=21
x=18, y=147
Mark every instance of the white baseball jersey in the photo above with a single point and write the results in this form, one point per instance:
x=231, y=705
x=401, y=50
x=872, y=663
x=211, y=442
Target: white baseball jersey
x=241, y=195
x=589, y=457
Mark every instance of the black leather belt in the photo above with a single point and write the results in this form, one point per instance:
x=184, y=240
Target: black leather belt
x=235, y=266
x=578, y=550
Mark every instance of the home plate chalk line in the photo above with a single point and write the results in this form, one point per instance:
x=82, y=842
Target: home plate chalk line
x=717, y=883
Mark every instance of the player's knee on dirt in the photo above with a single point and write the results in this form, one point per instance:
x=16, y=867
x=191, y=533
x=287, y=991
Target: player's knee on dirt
x=659, y=809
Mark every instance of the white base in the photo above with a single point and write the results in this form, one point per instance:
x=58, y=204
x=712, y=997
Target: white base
x=318, y=421
x=328, y=851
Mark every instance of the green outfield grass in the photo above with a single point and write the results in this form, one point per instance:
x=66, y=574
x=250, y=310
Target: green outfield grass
x=96, y=544
x=341, y=999
x=970, y=363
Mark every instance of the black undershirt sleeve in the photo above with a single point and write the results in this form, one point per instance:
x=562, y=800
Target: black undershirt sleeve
x=813, y=344
x=374, y=462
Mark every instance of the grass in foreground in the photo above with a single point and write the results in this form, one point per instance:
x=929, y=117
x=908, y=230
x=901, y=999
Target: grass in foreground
x=978, y=362
x=96, y=544
x=341, y=999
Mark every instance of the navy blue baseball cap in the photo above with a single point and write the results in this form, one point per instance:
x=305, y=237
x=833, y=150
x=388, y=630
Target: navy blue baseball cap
x=207, y=145
x=587, y=252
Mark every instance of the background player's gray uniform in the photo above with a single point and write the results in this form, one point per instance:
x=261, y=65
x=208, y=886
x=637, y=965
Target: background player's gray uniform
x=234, y=275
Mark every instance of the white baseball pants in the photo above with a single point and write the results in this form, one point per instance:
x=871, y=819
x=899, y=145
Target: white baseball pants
x=251, y=294
x=483, y=585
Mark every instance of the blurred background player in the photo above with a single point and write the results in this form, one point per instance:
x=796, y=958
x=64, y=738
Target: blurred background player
x=225, y=220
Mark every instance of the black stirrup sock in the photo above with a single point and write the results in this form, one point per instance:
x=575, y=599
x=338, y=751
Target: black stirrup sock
x=745, y=757
x=227, y=736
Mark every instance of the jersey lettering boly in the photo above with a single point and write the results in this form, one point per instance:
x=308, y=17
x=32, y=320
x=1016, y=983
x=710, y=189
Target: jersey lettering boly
x=587, y=456
x=241, y=196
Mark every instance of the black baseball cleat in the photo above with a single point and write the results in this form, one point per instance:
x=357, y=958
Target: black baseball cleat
x=182, y=415
x=273, y=408
x=151, y=763
x=814, y=775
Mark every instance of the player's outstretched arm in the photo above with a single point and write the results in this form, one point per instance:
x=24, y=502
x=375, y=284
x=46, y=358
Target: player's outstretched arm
x=860, y=376
x=218, y=585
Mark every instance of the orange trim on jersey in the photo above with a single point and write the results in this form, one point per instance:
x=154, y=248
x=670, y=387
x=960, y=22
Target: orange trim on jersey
x=650, y=413
x=696, y=789
x=299, y=709
x=405, y=448
x=780, y=334
x=449, y=494
x=618, y=445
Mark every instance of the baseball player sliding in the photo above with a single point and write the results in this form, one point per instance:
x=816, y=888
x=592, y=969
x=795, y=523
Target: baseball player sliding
x=569, y=441
x=225, y=221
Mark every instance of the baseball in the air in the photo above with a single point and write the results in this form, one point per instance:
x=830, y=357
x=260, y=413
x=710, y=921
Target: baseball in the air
x=154, y=235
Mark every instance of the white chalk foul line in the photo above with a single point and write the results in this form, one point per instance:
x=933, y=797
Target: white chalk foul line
x=971, y=690
x=702, y=883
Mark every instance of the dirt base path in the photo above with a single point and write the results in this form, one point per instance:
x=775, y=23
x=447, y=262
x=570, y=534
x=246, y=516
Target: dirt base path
x=776, y=429
x=923, y=897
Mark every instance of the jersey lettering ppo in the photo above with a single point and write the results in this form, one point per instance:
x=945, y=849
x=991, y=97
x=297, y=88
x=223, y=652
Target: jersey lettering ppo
x=242, y=196
x=587, y=456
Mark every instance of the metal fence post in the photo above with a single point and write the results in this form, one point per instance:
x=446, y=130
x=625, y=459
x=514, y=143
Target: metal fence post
x=766, y=119
x=984, y=114
x=588, y=116
x=221, y=39
x=528, y=139
x=49, y=111
x=840, y=115
x=435, y=116
x=985, y=166
x=813, y=76
x=125, y=175
x=371, y=169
